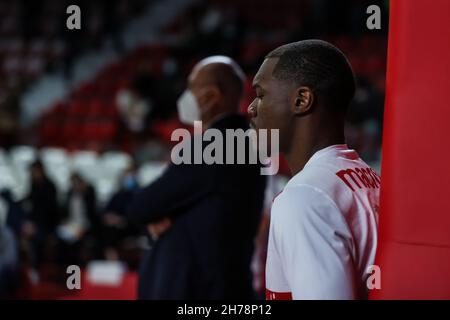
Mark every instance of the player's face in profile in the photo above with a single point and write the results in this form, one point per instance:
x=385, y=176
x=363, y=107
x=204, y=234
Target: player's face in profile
x=270, y=108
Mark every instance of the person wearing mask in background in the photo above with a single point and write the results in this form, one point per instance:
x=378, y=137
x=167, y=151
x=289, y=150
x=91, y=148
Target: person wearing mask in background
x=203, y=218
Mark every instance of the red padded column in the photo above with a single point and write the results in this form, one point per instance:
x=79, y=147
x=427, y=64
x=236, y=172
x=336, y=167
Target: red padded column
x=414, y=246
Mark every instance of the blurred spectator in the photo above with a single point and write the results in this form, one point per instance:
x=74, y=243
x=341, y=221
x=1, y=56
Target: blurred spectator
x=9, y=112
x=157, y=93
x=115, y=226
x=79, y=218
x=133, y=110
x=8, y=254
x=42, y=212
x=15, y=214
x=42, y=200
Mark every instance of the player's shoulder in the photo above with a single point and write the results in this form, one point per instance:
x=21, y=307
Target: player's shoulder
x=318, y=180
x=317, y=189
x=302, y=201
x=338, y=178
x=308, y=210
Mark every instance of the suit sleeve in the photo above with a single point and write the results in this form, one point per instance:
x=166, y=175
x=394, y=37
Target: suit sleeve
x=179, y=187
x=314, y=245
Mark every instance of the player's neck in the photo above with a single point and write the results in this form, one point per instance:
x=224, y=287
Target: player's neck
x=307, y=142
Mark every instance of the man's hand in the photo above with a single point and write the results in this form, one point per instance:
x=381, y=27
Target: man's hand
x=28, y=229
x=158, y=228
x=112, y=219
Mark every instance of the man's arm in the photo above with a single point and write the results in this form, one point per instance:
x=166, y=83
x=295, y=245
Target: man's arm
x=179, y=187
x=314, y=244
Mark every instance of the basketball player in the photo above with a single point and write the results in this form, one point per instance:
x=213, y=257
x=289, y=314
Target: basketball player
x=323, y=230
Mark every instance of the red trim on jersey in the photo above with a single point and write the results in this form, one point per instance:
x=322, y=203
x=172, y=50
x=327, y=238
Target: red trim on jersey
x=270, y=295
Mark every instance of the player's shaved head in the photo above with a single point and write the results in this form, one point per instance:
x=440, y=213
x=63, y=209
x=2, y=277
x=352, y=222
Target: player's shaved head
x=320, y=66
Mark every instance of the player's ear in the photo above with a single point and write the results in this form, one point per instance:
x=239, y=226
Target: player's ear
x=302, y=101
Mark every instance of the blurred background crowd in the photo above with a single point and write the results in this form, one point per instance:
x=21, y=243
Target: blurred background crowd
x=86, y=115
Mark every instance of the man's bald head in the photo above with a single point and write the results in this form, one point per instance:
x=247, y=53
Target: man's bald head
x=224, y=73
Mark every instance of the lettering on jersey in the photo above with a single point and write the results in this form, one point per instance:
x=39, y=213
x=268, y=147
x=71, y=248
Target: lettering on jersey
x=359, y=178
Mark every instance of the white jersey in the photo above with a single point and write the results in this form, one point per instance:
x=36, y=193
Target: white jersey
x=323, y=229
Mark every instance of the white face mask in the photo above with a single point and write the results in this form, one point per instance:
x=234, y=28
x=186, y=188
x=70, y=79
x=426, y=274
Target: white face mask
x=188, y=109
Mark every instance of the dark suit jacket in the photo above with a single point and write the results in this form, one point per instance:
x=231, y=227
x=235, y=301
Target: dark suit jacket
x=44, y=205
x=215, y=212
x=90, y=202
